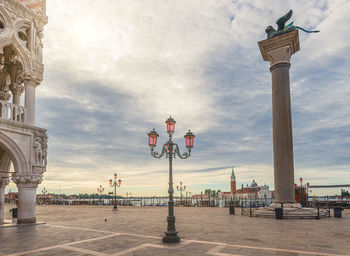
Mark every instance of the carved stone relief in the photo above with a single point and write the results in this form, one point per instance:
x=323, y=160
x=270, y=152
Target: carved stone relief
x=40, y=151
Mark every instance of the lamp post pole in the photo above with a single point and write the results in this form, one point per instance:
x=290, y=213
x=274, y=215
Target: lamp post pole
x=170, y=150
x=44, y=191
x=181, y=189
x=115, y=184
x=100, y=190
x=301, y=192
x=307, y=194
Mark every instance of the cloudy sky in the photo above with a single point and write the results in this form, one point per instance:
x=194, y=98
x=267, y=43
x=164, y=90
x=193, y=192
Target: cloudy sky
x=115, y=69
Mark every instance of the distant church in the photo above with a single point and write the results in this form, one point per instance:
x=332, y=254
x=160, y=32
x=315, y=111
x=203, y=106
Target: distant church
x=253, y=191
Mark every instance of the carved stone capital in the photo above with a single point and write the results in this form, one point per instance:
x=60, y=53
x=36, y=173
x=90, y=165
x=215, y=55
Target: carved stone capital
x=5, y=96
x=17, y=88
x=21, y=178
x=4, y=181
x=279, y=49
x=32, y=77
x=279, y=55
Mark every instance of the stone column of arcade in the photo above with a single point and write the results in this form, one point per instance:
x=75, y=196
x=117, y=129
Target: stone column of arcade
x=278, y=51
x=3, y=183
x=17, y=90
x=27, y=186
x=29, y=103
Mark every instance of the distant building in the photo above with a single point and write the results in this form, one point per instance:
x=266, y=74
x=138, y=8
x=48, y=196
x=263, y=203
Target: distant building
x=254, y=191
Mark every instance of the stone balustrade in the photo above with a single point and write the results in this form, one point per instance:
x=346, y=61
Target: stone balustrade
x=12, y=112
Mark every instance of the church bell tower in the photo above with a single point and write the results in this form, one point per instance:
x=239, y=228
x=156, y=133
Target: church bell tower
x=233, y=182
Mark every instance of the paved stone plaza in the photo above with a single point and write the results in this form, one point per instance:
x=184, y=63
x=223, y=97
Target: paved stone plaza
x=82, y=230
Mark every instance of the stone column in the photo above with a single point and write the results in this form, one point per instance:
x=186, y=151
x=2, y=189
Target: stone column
x=29, y=103
x=278, y=51
x=3, y=183
x=17, y=90
x=27, y=186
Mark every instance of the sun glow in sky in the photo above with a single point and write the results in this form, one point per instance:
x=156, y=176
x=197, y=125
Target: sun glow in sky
x=115, y=69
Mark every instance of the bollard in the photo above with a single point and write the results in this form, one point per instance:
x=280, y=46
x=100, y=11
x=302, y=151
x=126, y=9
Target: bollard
x=232, y=209
x=338, y=212
x=279, y=213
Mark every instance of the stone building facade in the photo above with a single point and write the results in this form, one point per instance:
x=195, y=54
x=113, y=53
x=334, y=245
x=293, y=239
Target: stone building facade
x=22, y=143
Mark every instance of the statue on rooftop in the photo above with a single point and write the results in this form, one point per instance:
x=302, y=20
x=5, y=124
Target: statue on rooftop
x=282, y=28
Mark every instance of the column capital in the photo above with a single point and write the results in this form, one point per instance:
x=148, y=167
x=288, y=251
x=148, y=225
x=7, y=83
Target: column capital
x=279, y=49
x=29, y=80
x=27, y=180
x=5, y=96
x=4, y=181
x=17, y=88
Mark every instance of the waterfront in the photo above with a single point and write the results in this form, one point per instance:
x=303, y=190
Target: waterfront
x=97, y=230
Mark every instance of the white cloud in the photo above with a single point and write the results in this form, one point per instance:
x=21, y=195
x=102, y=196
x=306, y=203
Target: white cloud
x=118, y=67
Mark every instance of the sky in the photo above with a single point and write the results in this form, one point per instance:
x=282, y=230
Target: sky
x=115, y=69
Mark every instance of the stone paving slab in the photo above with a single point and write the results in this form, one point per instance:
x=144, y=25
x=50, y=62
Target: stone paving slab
x=57, y=252
x=94, y=230
x=116, y=244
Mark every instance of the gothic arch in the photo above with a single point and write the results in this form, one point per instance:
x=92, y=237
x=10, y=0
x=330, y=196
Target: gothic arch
x=9, y=36
x=17, y=157
x=7, y=20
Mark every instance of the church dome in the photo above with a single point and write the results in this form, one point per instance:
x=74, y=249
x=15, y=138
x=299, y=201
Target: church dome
x=254, y=184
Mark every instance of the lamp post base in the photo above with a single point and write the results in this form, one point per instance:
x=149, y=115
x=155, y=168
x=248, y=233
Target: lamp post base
x=171, y=237
x=115, y=209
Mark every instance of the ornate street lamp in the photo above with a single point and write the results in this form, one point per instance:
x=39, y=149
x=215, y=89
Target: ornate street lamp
x=115, y=184
x=44, y=191
x=188, y=203
x=100, y=190
x=181, y=189
x=170, y=150
x=307, y=193
x=301, y=192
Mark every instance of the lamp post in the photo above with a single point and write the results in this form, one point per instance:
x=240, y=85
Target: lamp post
x=44, y=191
x=170, y=150
x=181, y=189
x=307, y=194
x=127, y=197
x=115, y=184
x=301, y=191
x=187, y=203
x=100, y=190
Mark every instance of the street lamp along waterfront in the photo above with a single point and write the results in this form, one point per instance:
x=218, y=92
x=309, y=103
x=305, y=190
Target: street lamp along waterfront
x=181, y=189
x=170, y=150
x=115, y=184
x=100, y=190
x=44, y=192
